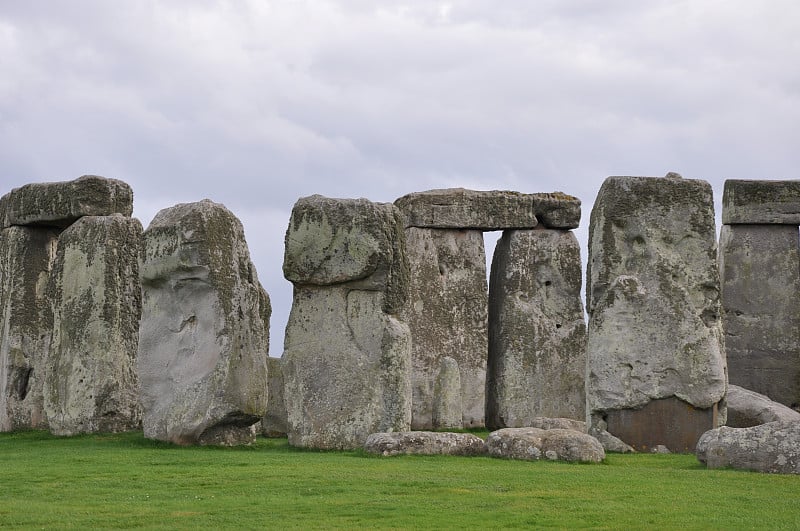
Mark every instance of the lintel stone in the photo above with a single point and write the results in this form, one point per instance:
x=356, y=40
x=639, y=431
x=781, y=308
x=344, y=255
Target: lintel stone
x=761, y=202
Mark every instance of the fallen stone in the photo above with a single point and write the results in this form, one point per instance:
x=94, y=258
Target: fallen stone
x=204, y=334
x=654, y=312
x=424, y=443
x=447, y=396
x=60, y=204
x=773, y=447
x=26, y=324
x=457, y=208
x=760, y=275
x=537, y=336
x=747, y=408
x=608, y=441
x=274, y=423
x=532, y=444
x=761, y=202
x=91, y=383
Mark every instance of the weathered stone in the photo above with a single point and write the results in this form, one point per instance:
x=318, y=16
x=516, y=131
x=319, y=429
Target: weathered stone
x=26, y=324
x=425, y=443
x=60, y=204
x=653, y=302
x=747, y=408
x=537, y=334
x=457, y=208
x=346, y=360
x=760, y=275
x=274, y=423
x=447, y=396
x=773, y=447
x=446, y=311
x=204, y=335
x=608, y=441
x=532, y=444
x=761, y=202
x=90, y=381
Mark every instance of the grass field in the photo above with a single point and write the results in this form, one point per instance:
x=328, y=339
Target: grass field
x=108, y=481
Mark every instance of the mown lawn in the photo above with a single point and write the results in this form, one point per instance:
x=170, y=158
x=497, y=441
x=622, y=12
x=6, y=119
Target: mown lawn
x=113, y=481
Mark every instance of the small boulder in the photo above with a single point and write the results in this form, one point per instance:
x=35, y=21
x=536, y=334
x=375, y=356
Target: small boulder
x=532, y=444
x=747, y=408
x=773, y=447
x=425, y=443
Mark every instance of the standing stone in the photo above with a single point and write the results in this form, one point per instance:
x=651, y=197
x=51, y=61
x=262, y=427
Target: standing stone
x=447, y=313
x=346, y=361
x=90, y=381
x=204, y=334
x=26, y=323
x=655, y=366
x=274, y=423
x=760, y=274
x=447, y=396
x=537, y=333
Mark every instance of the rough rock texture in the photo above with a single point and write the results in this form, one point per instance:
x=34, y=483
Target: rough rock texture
x=761, y=202
x=608, y=441
x=347, y=357
x=537, y=334
x=204, y=334
x=62, y=203
x=747, y=408
x=654, y=311
x=447, y=396
x=274, y=423
x=90, y=381
x=425, y=443
x=760, y=275
x=773, y=447
x=457, y=208
x=447, y=313
x=532, y=444
x=26, y=324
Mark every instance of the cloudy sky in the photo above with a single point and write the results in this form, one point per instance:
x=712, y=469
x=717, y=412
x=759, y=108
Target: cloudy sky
x=254, y=104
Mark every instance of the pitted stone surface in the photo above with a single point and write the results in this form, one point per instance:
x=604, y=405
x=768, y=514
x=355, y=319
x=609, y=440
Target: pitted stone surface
x=608, y=441
x=747, y=408
x=761, y=202
x=537, y=336
x=446, y=311
x=204, y=331
x=458, y=208
x=760, y=275
x=447, y=396
x=61, y=203
x=274, y=423
x=91, y=383
x=26, y=324
x=773, y=447
x=653, y=297
x=532, y=444
x=425, y=443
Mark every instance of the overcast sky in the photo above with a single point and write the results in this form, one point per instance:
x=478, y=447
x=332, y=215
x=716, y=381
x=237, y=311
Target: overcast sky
x=255, y=104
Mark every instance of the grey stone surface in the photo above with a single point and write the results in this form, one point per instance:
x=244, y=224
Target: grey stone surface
x=653, y=301
x=747, y=408
x=347, y=356
x=204, y=334
x=91, y=383
x=425, y=443
x=458, y=208
x=532, y=444
x=59, y=204
x=447, y=313
x=760, y=275
x=761, y=202
x=537, y=334
x=773, y=447
x=447, y=396
x=608, y=441
x=274, y=423
x=26, y=324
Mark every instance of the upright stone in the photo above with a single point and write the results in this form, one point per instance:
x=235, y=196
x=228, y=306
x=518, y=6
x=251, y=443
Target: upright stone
x=346, y=354
x=447, y=396
x=204, y=331
x=274, y=423
x=655, y=366
x=90, y=381
x=26, y=324
x=537, y=334
x=760, y=273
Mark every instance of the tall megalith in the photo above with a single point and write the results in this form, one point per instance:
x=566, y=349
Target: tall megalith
x=203, y=343
x=655, y=362
x=346, y=360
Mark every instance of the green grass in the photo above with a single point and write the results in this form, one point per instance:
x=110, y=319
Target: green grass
x=121, y=481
